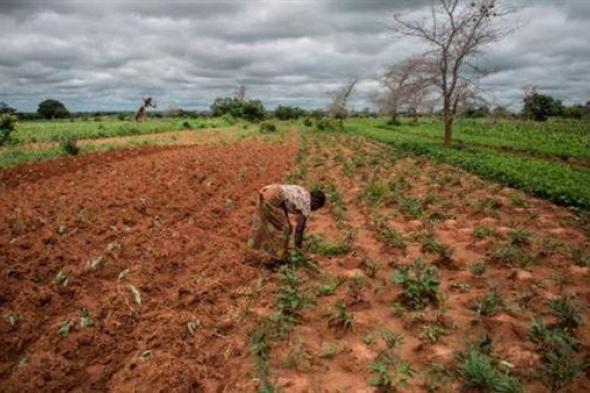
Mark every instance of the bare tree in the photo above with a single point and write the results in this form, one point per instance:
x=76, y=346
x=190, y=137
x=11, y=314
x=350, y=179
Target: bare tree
x=337, y=108
x=455, y=32
x=406, y=85
x=240, y=93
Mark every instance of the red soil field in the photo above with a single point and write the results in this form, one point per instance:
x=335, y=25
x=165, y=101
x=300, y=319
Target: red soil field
x=170, y=222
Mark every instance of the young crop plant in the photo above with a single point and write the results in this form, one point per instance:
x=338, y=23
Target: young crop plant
x=518, y=200
x=290, y=300
x=297, y=358
x=391, y=339
x=389, y=235
x=411, y=207
x=567, y=313
x=376, y=192
x=561, y=363
x=355, y=288
x=383, y=379
x=328, y=351
x=341, y=319
x=490, y=304
x=420, y=284
x=432, y=245
x=580, y=256
x=336, y=199
x=481, y=232
x=432, y=333
x=321, y=246
x=370, y=267
x=519, y=237
x=478, y=268
x=478, y=372
x=437, y=379
x=510, y=254
x=298, y=260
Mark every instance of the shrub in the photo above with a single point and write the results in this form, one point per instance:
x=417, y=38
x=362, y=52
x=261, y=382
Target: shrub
x=69, y=144
x=307, y=122
x=420, y=283
x=7, y=126
x=186, y=125
x=267, y=127
x=324, y=124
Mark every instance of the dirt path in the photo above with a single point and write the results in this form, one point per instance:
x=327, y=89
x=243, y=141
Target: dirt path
x=146, y=247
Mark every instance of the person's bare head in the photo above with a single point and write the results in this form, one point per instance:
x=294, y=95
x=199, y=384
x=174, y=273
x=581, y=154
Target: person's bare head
x=318, y=199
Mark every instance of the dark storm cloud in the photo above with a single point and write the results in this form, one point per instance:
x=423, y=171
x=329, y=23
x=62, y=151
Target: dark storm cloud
x=106, y=55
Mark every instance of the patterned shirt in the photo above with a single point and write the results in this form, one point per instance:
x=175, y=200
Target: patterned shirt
x=297, y=199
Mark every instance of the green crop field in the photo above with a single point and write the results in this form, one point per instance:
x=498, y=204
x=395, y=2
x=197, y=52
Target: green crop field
x=53, y=130
x=551, y=160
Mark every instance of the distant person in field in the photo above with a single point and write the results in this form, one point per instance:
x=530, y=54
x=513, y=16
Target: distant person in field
x=271, y=226
x=147, y=103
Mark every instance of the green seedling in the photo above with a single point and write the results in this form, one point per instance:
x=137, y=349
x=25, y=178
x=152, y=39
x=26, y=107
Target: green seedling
x=478, y=372
x=64, y=329
x=85, y=319
x=478, y=268
x=432, y=333
x=61, y=278
x=341, y=319
x=490, y=304
x=420, y=284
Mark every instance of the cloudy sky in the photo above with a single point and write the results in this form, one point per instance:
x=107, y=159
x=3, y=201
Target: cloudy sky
x=106, y=55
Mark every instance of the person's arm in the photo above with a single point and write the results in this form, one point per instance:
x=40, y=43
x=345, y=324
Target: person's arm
x=301, y=221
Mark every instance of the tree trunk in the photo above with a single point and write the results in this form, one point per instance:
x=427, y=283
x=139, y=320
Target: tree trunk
x=448, y=130
x=393, y=117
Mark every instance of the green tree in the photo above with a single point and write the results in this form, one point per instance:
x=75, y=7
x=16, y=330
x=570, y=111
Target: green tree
x=5, y=109
x=539, y=107
x=283, y=112
x=52, y=109
x=251, y=110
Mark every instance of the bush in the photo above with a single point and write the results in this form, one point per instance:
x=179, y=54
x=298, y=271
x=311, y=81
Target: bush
x=307, y=122
x=324, y=124
x=186, y=125
x=267, y=127
x=7, y=126
x=69, y=145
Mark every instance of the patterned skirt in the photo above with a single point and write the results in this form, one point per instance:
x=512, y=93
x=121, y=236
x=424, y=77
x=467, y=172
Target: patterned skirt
x=271, y=229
